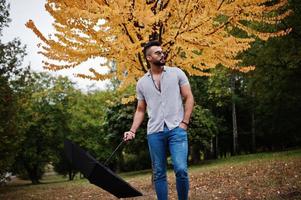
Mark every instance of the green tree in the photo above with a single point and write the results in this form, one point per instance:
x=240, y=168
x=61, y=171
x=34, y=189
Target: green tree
x=43, y=123
x=63, y=94
x=118, y=119
x=86, y=126
x=11, y=79
x=275, y=86
x=203, y=130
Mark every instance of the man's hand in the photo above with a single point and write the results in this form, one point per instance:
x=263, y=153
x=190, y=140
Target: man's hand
x=138, y=119
x=183, y=126
x=189, y=102
x=129, y=135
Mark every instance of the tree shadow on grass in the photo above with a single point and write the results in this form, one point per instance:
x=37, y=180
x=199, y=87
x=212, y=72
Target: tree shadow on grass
x=18, y=183
x=291, y=195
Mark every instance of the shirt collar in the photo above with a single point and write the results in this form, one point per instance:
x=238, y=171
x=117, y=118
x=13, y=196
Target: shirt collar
x=148, y=72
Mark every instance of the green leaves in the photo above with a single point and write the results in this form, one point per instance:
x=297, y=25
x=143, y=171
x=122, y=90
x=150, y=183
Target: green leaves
x=203, y=127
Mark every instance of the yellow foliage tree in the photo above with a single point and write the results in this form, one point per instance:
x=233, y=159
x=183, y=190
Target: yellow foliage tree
x=196, y=34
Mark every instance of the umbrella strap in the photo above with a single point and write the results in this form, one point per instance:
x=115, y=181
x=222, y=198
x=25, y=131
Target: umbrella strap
x=105, y=163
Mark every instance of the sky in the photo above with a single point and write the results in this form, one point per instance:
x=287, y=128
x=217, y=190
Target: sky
x=23, y=10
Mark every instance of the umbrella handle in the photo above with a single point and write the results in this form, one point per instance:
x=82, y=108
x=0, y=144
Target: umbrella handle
x=105, y=163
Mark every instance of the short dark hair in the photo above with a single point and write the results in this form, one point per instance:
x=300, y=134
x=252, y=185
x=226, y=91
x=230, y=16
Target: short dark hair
x=149, y=45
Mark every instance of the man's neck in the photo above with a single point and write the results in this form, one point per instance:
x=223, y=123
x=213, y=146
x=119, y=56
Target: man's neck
x=156, y=69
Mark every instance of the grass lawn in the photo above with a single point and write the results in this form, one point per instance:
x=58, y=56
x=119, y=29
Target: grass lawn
x=272, y=176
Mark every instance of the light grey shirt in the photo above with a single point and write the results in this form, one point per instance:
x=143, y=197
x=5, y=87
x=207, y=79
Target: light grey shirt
x=165, y=106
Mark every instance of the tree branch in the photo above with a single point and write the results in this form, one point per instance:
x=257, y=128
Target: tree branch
x=220, y=27
x=160, y=32
x=196, y=43
x=182, y=22
x=141, y=63
x=155, y=7
x=127, y=33
x=106, y=2
x=220, y=5
x=164, y=6
x=193, y=28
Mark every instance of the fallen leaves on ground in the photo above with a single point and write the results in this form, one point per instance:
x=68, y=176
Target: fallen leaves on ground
x=257, y=179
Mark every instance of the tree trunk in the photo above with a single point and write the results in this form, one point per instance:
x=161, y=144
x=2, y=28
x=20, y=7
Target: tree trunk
x=253, y=126
x=234, y=119
x=216, y=148
x=33, y=174
x=71, y=175
x=253, y=133
x=209, y=153
x=195, y=154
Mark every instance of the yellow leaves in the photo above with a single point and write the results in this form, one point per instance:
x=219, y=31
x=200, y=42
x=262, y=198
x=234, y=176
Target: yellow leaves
x=30, y=24
x=263, y=36
x=246, y=69
x=100, y=2
x=266, y=20
x=55, y=67
x=127, y=100
x=194, y=32
x=143, y=13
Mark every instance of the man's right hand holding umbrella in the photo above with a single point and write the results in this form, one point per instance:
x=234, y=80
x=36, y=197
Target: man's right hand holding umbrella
x=138, y=119
x=129, y=135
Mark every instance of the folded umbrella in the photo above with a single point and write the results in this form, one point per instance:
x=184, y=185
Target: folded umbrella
x=97, y=173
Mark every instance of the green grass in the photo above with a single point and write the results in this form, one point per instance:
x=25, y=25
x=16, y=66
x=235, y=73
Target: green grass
x=241, y=159
x=233, y=160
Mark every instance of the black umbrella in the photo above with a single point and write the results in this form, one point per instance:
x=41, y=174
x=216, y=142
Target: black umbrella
x=97, y=173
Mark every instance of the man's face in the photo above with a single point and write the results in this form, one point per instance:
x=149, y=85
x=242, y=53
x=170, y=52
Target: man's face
x=156, y=56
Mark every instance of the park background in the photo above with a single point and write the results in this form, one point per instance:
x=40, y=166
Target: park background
x=244, y=131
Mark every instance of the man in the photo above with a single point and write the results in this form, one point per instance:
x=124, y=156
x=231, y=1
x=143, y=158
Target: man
x=160, y=91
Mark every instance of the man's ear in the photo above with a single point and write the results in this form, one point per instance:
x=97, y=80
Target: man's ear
x=148, y=58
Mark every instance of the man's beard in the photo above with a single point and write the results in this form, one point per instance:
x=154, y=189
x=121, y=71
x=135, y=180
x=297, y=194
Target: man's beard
x=160, y=62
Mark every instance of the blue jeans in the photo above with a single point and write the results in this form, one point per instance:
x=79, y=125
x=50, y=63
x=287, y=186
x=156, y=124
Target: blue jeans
x=176, y=141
